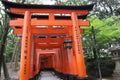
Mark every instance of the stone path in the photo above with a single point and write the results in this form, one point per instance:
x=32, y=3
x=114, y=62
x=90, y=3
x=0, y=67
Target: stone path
x=47, y=75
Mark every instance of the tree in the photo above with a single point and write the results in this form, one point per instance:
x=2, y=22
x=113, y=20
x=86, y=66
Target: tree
x=102, y=8
x=4, y=30
x=105, y=30
x=105, y=8
x=3, y=42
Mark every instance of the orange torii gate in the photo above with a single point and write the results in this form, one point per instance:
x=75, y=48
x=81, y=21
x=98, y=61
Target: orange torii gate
x=44, y=27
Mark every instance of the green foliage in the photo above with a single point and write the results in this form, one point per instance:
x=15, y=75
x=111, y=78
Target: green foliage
x=105, y=31
x=102, y=8
x=75, y=2
x=10, y=46
x=11, y=38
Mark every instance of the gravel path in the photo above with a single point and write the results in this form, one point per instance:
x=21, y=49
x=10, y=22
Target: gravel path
x=12, y=73
x=47, y=75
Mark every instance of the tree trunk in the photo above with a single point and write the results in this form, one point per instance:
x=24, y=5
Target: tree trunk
x=3, y=42
x=5, y=70
x=94, y=52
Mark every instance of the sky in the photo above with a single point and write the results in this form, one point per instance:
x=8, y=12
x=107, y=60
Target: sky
x=48, y=2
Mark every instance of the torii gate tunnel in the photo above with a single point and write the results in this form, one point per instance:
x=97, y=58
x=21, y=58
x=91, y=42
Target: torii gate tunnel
x=50, y=38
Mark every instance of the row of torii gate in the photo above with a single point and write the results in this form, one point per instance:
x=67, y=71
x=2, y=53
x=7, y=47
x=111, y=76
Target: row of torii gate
x=50, y=38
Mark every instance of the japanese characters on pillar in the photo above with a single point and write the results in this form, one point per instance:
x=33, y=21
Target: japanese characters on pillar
x=76, y=32
x=81, y=69
x=32, y=56
x=26, y=48
x=25, y=52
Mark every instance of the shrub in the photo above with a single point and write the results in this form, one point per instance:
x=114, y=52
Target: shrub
x=107, y=67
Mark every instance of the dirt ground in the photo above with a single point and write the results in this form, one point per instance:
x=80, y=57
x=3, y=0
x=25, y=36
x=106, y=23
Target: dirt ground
x=14, y=74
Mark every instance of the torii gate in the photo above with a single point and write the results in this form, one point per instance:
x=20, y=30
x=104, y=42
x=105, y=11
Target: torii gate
x=44, y=27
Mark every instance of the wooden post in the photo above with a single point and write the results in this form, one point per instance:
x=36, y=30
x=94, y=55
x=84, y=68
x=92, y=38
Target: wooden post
x=57, y=61
x=61, y=61
x=78, y=47
x=32, y=58
x=37, y=62
x=61, y=56
x=67, y=67
x=26, y=48
x=74, y=63
x=72, y=53
x=64, y=60
x=34, y=62
x=70, y=61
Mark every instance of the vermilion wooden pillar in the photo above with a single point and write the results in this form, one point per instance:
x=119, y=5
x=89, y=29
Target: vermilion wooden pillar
x=52, y=61
x=81, y=69
x=32, y=58
x=57, y=61
x=34, y=62
x=61, y=60
x=37, y=62
x=70, y=61
x=67, y=67
x=26, y=48
x=59, y=56
x=72, y=54
x=74, y=63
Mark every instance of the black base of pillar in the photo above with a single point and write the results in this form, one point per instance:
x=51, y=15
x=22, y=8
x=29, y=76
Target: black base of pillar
x=86, y=78
x=69, y=77
x=47, y=69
